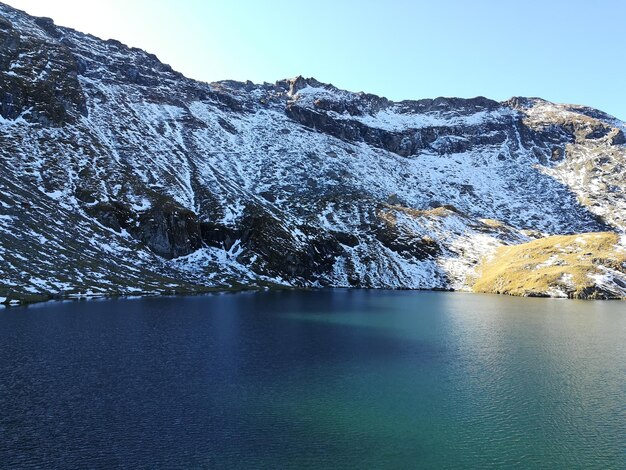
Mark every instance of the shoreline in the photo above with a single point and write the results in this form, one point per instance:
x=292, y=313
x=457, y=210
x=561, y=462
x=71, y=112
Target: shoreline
x=11, y=303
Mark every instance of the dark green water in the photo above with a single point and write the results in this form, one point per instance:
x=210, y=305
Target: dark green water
x=329, y=379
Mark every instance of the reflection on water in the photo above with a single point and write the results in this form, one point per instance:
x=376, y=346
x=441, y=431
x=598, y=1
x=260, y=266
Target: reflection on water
x=315, y=379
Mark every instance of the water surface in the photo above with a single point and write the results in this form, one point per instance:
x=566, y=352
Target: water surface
x=341, y=379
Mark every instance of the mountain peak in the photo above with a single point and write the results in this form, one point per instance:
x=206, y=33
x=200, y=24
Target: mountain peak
x=294, y=85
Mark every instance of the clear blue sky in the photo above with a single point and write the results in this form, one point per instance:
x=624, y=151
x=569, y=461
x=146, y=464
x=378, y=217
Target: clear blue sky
x=565, y=51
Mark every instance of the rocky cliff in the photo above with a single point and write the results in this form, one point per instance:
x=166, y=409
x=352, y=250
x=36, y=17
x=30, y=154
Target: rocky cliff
x=121, y=176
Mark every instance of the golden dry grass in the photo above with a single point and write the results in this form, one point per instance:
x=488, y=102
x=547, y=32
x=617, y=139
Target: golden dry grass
x=389, y=213
x=561, y=262
x=492, y=223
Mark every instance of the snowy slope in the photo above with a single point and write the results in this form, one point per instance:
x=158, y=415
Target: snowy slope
x=120, y=175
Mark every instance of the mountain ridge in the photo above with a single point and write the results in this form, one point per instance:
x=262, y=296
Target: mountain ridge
x=160, y=183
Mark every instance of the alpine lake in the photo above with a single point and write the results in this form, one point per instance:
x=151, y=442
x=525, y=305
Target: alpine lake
x=314, y=379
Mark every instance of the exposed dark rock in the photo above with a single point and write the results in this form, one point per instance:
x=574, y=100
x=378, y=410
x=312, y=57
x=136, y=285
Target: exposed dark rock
x=458, y=106
x=347, y=239
x=405, y=243
x=619, y=138
x=47, y=24
x=114, y=215
x=218, y=235
x=557, y=154
x=169, y=230
x=56, y=96
x=281, y=254
x=405, y=143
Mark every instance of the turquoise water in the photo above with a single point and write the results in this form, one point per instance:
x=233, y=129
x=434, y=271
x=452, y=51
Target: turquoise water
x=324, y=379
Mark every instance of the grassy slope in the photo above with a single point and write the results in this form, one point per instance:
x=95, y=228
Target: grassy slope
x=591, y=265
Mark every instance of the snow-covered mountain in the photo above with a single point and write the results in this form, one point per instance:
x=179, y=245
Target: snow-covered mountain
x=119, y=175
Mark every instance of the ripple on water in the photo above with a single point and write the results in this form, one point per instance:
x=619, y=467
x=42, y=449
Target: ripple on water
x=314, y=379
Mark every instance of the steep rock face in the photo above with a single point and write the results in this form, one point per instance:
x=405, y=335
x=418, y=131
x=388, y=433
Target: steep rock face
x=354, y=118
x=39, y=77
x=168, y=184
